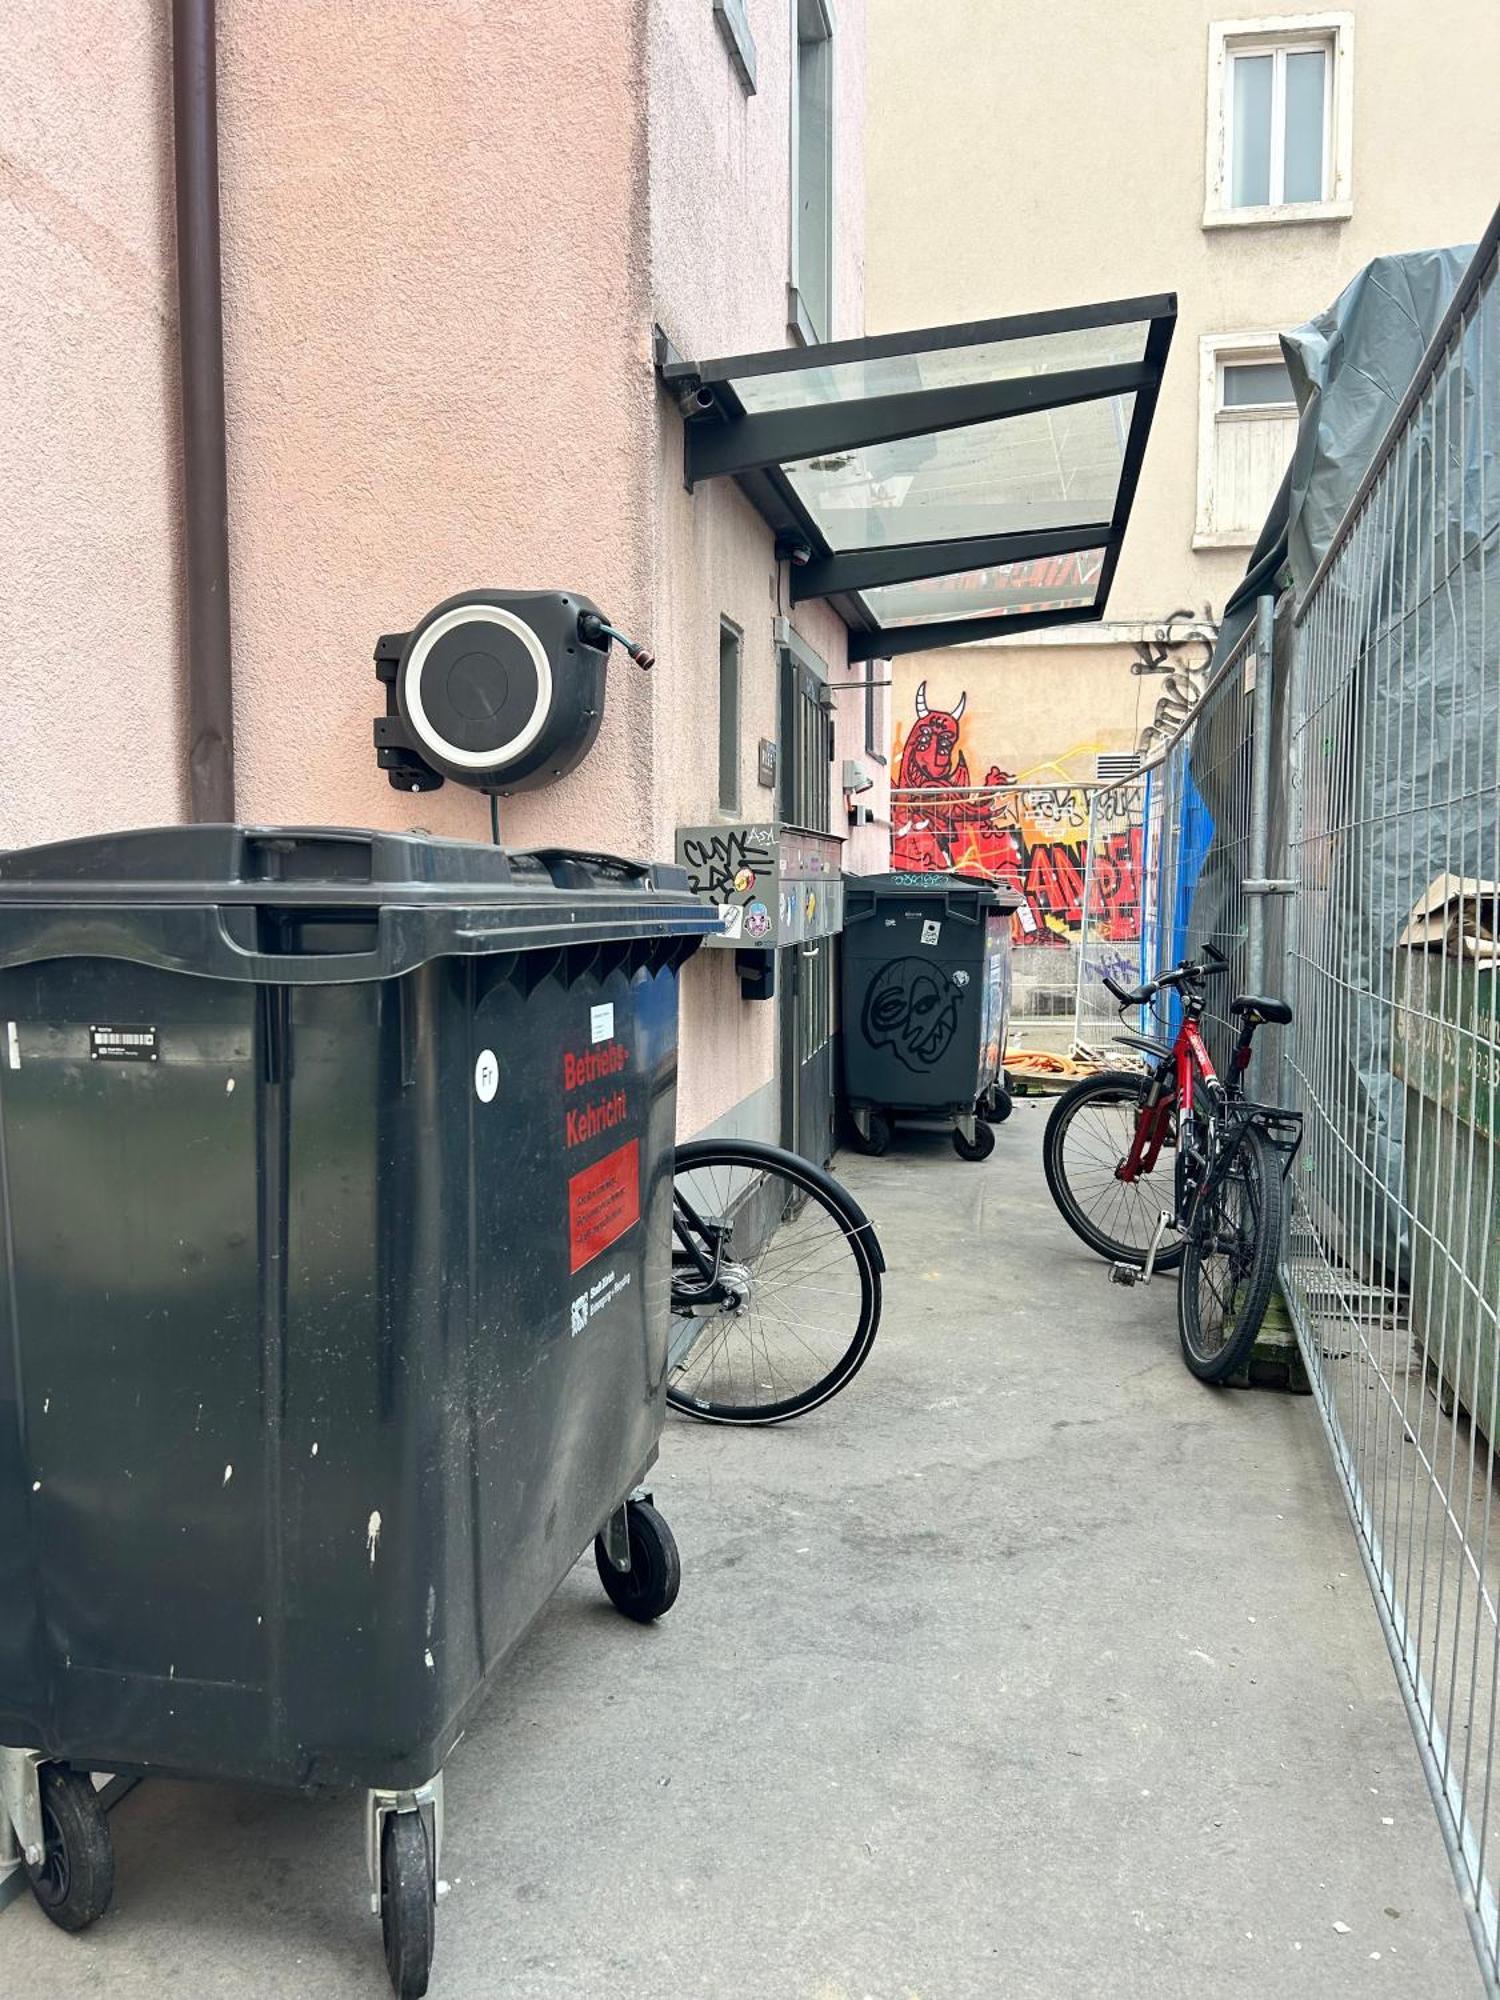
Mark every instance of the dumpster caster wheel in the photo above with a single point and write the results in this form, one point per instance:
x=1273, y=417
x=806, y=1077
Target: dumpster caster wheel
x=877, y=1139
x=75, y=1878
x=997, y=1108
x=979, y=1148
x=407, y=1903
x=650, y=1585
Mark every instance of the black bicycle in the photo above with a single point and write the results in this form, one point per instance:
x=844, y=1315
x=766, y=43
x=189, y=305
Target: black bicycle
x=1132, y=1160
x=775, y=1284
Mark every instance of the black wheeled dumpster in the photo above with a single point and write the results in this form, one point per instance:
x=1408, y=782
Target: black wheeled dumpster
x=926, y=1004
x=335, y=1171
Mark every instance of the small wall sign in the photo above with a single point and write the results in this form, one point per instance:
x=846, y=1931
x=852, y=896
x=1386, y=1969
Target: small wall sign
x=765, y=768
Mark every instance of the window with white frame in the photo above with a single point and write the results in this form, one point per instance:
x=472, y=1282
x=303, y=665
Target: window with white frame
x=1247, y=430
x=810, y=293
x=1280, y=113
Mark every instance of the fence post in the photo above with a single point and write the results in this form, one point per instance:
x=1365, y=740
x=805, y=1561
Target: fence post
x=1256, y=886
x=1166, y=934
x=1085, y=918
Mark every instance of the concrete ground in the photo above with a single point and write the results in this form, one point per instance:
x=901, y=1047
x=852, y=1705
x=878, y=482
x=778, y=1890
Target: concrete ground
x=1027, y=1666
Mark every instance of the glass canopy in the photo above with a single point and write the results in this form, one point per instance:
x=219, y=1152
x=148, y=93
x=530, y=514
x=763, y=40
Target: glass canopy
x=1046, y=583
x=944, y=367
x=1047, y=468
x=946, y=485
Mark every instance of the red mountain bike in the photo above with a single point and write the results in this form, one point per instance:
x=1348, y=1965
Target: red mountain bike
x=1181, y=1154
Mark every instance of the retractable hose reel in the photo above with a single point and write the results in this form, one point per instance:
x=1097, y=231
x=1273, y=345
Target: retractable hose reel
x=501, y=690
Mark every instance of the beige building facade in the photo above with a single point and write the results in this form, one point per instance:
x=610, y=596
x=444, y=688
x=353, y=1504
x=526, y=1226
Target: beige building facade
x=451, y=236
x=1251, y=163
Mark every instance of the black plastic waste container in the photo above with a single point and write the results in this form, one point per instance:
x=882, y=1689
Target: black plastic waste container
x=336, y=1189
x=926, y=1002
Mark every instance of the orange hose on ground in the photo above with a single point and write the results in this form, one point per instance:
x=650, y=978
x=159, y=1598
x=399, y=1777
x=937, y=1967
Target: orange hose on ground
x=1043, y=1063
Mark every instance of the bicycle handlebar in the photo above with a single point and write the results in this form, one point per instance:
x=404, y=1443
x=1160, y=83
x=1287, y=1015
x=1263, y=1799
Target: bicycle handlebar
x=1191, y=973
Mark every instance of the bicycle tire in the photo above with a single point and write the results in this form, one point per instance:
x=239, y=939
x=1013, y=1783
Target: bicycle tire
x=1255, y=1169
x=1118, y=1087
x=696, y=1397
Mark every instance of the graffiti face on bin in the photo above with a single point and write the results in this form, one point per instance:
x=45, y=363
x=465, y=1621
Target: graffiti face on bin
x=911, y=1010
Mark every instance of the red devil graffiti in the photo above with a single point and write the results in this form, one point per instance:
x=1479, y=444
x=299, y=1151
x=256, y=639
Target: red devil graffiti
x=928, y=757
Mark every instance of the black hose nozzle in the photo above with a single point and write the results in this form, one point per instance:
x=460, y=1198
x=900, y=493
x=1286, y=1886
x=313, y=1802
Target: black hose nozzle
x=596, y=631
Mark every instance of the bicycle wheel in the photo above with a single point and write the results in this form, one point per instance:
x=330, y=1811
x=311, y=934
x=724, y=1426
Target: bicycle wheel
x=775, y=1284
x=1230, y=1262
x=1088, y=1135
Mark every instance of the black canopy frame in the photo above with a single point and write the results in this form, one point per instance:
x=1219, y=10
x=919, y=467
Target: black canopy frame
x=755, y=445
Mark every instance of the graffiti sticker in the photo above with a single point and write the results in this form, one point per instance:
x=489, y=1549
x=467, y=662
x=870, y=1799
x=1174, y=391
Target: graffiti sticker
x=932, y=930
x=912, y=1011
x=730, y=863
x=757, y=920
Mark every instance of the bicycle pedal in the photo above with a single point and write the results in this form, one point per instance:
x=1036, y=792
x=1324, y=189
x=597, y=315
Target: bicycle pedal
x=1125, y=1274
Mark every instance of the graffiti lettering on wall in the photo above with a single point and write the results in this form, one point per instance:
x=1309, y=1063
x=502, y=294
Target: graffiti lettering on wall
x=997, y=837
x=721, y=865
x=1032, y=838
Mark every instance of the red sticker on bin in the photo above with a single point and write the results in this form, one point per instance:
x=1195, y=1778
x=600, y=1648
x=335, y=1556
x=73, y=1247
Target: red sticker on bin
x=604, y=1200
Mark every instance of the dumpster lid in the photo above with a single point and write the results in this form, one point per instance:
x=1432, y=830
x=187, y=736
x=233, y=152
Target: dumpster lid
x=323, y=904
x=907, y=882
x=291, y=864
x=1459, y=915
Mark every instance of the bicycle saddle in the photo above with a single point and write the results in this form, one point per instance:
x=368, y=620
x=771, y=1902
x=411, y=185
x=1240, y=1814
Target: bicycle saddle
x=1261, y=1011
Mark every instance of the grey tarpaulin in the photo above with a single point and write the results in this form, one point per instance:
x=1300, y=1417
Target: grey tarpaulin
x=1350, y=368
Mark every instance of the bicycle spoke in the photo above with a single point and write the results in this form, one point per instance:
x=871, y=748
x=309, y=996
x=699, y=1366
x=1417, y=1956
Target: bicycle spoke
x=1231, y=1260
x=1089, y=1139
x=795, y=1285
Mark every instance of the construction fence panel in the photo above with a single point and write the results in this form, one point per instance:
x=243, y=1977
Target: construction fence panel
x=1196, y=809
x=1393, y=1266
x=1071, y=852
x=1110, y=928
x=1330, y=818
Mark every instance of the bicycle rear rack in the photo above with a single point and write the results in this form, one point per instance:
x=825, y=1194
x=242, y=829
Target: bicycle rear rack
x=1282, y=1128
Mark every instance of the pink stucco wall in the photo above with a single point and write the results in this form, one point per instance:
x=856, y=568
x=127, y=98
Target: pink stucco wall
x=439, y=372
x=720, y=248
x=448, y=230
x=88, y=425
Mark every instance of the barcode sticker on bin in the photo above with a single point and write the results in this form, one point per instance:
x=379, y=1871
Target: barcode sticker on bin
x=133, y=1044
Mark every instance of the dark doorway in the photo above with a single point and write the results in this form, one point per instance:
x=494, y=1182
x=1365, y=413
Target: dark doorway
x=805, y=976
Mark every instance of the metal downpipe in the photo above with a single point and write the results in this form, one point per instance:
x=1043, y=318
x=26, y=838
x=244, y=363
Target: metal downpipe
x=200, y=321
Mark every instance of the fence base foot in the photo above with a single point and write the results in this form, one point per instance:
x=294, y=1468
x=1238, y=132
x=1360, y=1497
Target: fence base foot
x=1275, y=1360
